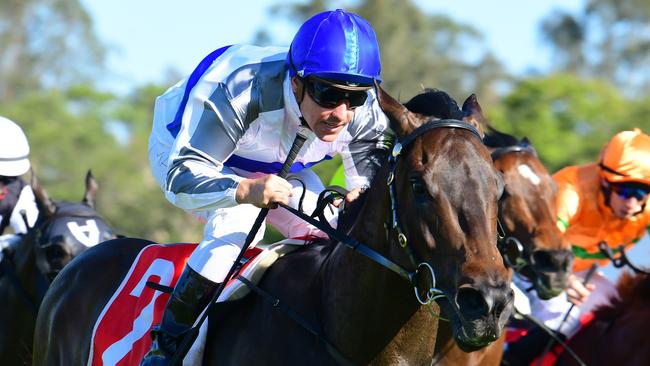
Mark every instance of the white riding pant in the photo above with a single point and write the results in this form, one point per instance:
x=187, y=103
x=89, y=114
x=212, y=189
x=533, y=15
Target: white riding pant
x=226, y=228
x=552, y=311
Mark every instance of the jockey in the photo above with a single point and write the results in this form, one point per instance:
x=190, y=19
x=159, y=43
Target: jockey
x=220, y=136
x=15, y=194
x=597, y=202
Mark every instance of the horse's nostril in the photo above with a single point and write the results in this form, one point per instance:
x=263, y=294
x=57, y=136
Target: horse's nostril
x=552, y=260
x=543, y=260
x=471, y=302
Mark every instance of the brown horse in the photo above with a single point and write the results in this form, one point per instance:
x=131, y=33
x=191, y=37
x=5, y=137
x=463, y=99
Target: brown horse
x=62, y=231
x=618, y=334
x=532, y=244
x=439, y=208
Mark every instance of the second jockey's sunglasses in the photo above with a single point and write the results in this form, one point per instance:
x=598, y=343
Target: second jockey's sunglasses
x=330, y=95
x=627, y=192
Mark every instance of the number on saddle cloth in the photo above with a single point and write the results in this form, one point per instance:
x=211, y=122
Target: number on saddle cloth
x=121, y=331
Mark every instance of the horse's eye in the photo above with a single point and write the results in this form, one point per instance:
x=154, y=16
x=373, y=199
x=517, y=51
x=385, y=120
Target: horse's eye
x=419, y=188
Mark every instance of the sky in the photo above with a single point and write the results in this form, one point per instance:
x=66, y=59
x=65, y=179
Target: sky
x=147, y=38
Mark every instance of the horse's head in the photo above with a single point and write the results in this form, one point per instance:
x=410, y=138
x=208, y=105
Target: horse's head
x=533, y=244
x=65, y=229
x=446, y=190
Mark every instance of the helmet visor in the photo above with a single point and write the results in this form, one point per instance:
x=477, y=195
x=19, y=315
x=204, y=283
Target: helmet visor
x=328, y=95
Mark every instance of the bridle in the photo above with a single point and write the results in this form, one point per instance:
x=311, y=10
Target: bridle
x=394, y=225
x=412, y=277
x=512, y=250
x=622, y=260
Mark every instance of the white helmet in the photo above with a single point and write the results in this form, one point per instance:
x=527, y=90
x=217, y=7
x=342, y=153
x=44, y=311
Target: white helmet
x=14, y=149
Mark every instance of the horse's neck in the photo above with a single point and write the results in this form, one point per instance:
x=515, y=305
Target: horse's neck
x=359, y=293
x=23, y=266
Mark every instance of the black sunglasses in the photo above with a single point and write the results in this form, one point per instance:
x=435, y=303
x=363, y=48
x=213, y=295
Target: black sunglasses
x=329, y=96
x=628, y=192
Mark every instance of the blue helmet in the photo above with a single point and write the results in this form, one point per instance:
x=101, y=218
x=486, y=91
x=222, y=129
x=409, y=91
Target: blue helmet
x=336, y=45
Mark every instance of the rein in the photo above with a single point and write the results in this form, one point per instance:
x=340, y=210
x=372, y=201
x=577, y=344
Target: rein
x=432, y=293
x=622, y=260
x=411, y=276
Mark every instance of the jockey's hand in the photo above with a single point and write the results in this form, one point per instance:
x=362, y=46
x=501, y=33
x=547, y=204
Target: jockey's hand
x=264, y=192
x=577, y=292
x=351, y=196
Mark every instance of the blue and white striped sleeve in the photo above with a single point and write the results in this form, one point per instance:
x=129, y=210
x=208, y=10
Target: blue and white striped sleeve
x=196, y=180
x=370, y=141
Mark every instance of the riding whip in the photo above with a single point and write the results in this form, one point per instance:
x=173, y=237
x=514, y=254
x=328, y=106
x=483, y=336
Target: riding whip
x=192, y=333
x=551, y=341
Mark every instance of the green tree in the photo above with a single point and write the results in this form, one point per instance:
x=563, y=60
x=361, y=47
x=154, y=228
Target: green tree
x=46, y=43
x=567, y=118
x=137, y=202
x=417, y=50
x=607, y=38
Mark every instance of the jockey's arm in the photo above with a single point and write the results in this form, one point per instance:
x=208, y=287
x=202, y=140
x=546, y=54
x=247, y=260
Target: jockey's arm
x=362, y=156
x=361, y=161
x=196, y=178
x=567, y=203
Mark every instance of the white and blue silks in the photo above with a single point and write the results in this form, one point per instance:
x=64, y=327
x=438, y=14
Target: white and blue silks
x=236, y=117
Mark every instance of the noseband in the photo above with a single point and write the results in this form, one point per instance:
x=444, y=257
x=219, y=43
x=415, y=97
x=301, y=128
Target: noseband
x=394, y=224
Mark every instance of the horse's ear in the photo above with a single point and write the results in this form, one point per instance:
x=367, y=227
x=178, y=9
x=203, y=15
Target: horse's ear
x=91, y=190
x=402, y=121
x=43, y=201
x=473, y=114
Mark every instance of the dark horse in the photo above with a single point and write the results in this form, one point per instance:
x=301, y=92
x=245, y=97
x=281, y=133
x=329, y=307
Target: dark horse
x=531, y=244
x=618, y=334
x=444, y=203
x=62, y=231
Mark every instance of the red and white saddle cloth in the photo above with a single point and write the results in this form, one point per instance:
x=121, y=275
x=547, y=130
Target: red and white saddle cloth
x=121, y=333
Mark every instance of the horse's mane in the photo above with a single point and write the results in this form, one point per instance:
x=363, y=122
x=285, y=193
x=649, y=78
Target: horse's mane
x=631, y=289
x=495, y=138
x=436, y=103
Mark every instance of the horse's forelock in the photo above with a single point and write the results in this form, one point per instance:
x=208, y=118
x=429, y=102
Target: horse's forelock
x=436, y=103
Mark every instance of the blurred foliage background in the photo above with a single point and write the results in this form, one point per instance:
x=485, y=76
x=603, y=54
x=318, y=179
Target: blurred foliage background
x=49, y=54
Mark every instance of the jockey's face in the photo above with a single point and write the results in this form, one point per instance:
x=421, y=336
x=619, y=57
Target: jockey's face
x=626, y=203
x=325, y=121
